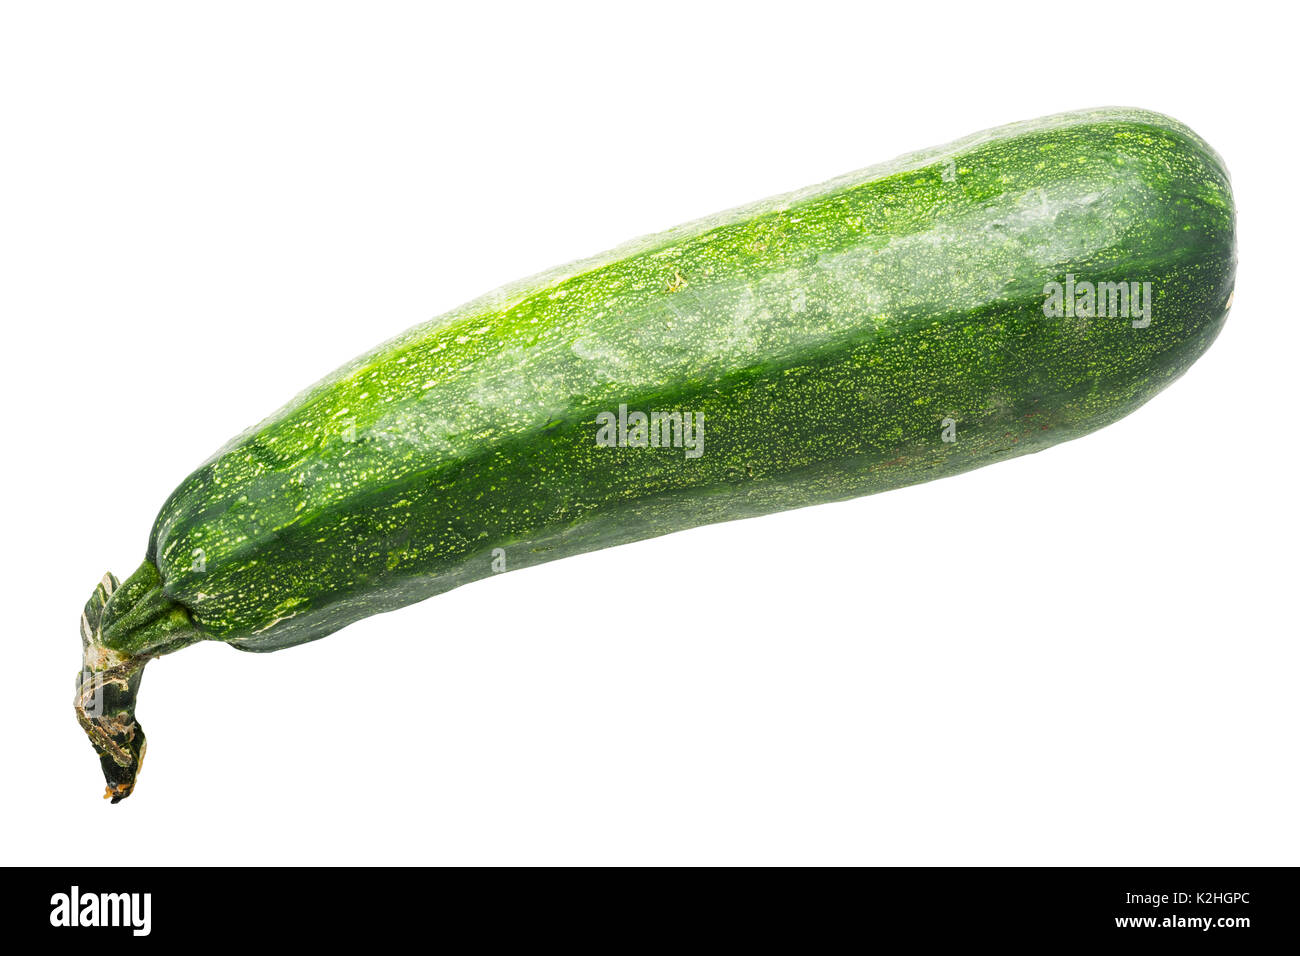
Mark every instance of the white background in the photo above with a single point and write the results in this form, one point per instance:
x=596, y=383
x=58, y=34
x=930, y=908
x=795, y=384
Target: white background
x=1086, y=656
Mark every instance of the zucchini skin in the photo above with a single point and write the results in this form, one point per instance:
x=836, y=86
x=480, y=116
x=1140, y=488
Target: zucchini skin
x=823, y=335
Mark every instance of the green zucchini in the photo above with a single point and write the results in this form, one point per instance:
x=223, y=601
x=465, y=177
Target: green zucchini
x=953, y=308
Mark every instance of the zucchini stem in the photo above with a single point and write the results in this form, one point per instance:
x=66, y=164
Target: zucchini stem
x=123, y=627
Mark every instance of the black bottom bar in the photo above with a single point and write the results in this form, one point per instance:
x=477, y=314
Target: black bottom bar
x=1228, y=907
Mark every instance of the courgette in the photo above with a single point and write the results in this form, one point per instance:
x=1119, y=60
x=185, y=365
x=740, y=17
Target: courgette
x=953, y=308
